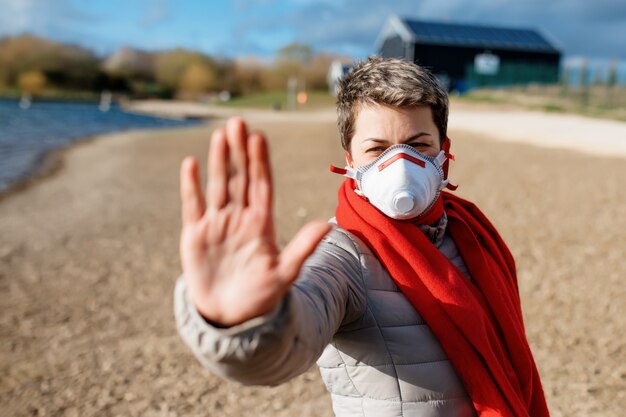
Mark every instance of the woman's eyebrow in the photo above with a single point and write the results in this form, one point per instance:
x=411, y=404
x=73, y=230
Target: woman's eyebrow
x=408, y=139
x=415, y=136
x=376, y=140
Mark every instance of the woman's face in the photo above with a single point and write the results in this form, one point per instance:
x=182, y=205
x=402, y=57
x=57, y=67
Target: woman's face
x=378, y=127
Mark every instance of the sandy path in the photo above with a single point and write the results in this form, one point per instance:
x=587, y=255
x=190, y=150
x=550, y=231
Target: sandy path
x=578, y=133
x=88, y=260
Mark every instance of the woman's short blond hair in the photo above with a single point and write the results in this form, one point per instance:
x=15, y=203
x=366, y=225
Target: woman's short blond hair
x=392, y=82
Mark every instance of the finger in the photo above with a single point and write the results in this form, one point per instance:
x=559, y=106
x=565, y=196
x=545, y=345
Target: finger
x=301, y=247
x=237, y=135
x=192, y=200
x=260, y=176
x=217, y=173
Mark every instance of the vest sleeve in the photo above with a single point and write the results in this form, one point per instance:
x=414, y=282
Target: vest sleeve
x=284, y=343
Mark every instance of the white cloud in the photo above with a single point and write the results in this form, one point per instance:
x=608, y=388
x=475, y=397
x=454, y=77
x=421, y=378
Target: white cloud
x=155, y=12
x=43, y=17
x=15, y=14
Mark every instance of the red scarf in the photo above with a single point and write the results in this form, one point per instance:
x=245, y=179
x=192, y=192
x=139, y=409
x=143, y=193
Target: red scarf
x=479, y=324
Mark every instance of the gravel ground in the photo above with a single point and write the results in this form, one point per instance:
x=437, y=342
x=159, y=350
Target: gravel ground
x=88, y=260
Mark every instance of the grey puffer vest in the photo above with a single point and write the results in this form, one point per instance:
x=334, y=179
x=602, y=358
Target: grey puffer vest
x=376, y=354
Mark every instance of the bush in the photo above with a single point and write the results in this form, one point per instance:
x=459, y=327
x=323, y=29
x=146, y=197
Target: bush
x=31, y=82
x=197, y=79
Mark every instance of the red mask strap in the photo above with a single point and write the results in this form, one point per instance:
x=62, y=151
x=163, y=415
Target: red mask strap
x=445, y=147
x=349, y=159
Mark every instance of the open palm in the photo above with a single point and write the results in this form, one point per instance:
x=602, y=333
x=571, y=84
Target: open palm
x=231, y=263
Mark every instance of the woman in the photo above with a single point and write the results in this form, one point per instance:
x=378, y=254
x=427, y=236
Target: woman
x=408, y=301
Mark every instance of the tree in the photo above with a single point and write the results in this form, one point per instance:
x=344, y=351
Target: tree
x=198, y=78
x=316, y=72
x=170, y=66
x=248, y=75
x=295, y=52
x=290, y=62
x=63, y=65
x=130, y=63
x=4, y=77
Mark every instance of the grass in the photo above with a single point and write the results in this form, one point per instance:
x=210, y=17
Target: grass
x=595, y=101
x=264, y=100
x=53, y=94
x=278, y=100
x=553, y=108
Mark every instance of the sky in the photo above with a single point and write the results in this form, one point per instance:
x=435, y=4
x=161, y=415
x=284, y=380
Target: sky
x=594, y=29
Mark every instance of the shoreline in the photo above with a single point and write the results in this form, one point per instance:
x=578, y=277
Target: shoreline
x=52, y=161
x=194, y=110
x=48, y=165
x=34, y=141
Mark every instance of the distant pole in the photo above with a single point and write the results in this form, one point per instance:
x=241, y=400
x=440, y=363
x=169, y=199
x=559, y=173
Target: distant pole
x=584, y=82
x=611, y=81
x=611, y=78
x=105, y=101
x=26, y=100
x=292, y=91
x=564, y=80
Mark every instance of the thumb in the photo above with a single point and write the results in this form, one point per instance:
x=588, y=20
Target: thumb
x=299, y=248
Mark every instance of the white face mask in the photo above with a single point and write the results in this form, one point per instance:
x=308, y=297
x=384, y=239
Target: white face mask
x=401, y=182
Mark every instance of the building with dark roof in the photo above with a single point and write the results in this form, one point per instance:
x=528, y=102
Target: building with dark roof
x=467, y=56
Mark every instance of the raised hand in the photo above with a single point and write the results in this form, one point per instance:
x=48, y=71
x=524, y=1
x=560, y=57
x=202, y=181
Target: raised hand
x=232, y=266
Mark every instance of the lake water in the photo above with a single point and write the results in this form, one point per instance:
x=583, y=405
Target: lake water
x=26, y=136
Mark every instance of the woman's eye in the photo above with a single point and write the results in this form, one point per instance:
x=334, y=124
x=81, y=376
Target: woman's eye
x=376, y=149
x=418, y=145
